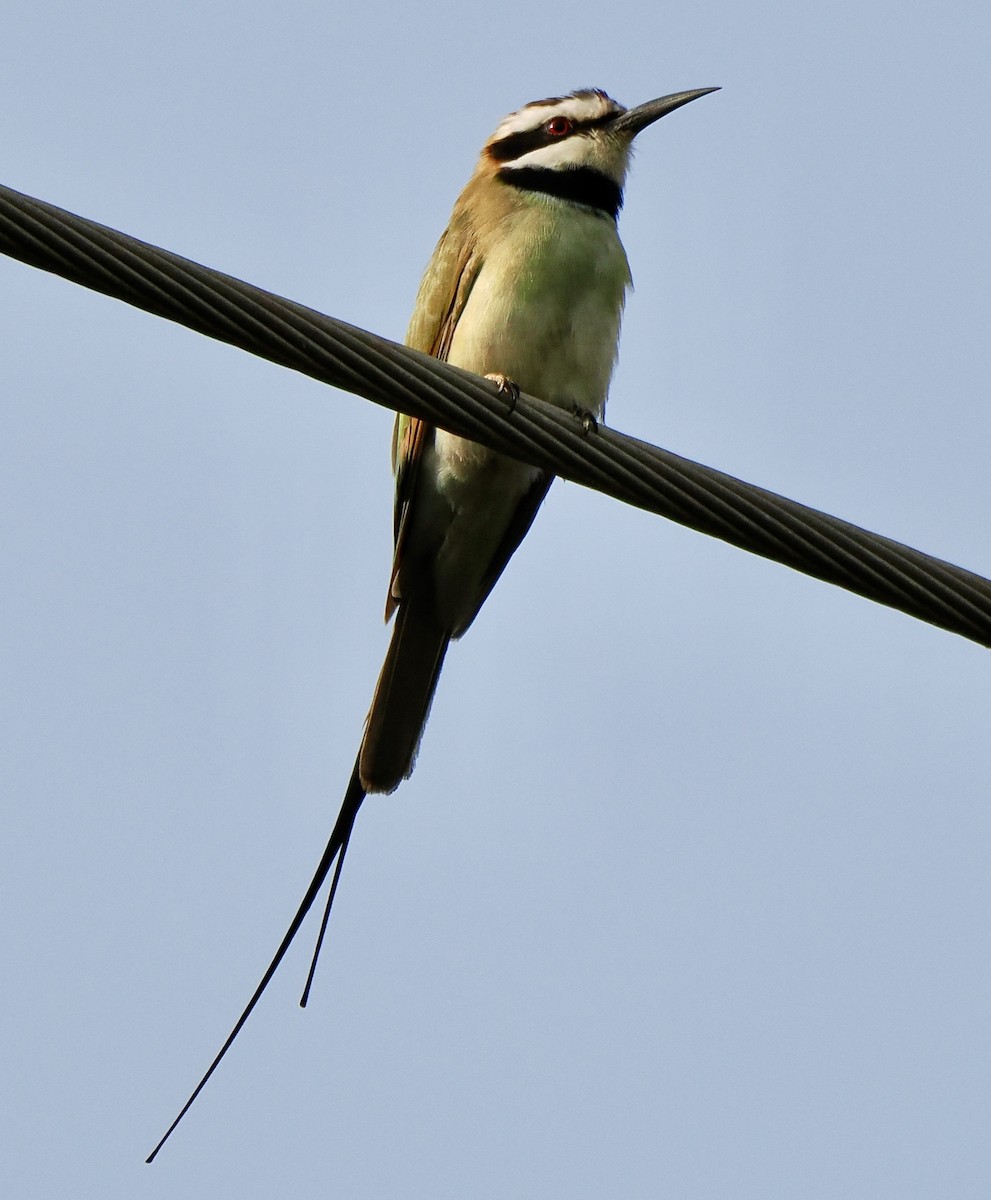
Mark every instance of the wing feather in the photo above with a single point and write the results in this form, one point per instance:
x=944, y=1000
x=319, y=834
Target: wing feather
x=440, y=301
x=516, y=531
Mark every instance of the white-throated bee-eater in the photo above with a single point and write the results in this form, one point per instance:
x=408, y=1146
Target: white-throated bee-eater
x=526, y=286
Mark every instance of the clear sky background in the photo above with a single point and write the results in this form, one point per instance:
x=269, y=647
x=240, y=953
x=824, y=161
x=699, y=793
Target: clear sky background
x=689, y=895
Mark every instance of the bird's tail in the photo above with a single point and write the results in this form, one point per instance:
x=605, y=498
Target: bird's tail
x=395, y=723
x=337, y=846
x=402, y=697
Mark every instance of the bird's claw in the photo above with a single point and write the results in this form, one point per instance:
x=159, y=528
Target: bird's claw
x=587, y=418
x=506, y=387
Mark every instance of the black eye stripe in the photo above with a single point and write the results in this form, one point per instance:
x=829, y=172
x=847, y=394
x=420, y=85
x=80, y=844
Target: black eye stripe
x=515, y=145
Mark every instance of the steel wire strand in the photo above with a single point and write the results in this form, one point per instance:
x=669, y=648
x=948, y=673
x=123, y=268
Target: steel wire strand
x=836, y=551
x=636, y=472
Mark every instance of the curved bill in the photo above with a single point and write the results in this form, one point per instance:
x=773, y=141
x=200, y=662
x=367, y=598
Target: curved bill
x=635, y=119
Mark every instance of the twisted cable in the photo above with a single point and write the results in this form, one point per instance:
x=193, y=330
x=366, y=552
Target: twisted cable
x=397, y=377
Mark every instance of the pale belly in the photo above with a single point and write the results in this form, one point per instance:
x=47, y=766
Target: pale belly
x=551, y=326
x=546, y=307
x=545, y=312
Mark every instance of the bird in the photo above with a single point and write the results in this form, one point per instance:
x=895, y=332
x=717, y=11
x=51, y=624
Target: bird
x=526, y=286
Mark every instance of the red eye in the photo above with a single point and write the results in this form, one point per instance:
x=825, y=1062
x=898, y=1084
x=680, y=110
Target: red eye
x=558, y=126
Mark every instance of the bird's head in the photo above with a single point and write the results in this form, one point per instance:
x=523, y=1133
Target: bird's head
x=583, y=131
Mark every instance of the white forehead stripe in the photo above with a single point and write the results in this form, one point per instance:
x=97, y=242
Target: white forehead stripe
x=585, y=106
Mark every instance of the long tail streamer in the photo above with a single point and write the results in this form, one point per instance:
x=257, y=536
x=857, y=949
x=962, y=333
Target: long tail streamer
x=336, y=848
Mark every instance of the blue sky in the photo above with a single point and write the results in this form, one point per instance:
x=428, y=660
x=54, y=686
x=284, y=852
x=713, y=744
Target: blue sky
x=689, y=893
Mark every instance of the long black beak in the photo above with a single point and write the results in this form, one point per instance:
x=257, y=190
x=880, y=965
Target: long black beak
x=634, y=119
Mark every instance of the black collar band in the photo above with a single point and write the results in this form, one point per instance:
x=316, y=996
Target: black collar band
x=580, y=185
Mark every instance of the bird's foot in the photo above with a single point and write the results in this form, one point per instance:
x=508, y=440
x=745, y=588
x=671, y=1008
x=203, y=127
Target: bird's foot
x=506, y=387
x=587, y=418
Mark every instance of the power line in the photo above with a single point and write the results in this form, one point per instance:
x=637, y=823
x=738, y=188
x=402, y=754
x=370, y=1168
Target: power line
x=636, y=472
